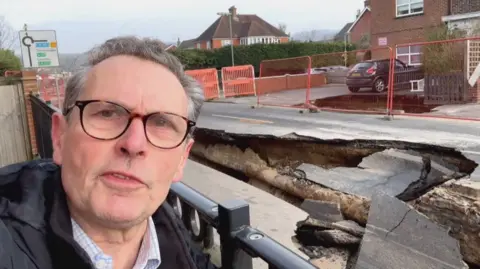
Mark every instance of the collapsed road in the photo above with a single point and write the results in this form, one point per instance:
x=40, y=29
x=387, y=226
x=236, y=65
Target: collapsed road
x=426, y=183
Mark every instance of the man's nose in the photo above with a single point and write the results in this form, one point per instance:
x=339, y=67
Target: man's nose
x=133, y=142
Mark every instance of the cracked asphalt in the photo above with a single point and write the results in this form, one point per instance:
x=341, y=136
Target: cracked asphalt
x=241, y=118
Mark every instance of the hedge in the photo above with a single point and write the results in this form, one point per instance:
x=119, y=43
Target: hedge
x=254, y=54
x=8, y=61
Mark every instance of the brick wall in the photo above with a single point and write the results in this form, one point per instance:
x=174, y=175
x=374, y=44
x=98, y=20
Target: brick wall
x=385, y=23
x=475, y=93
x=361, y=28
x=29, y=81
x=465, y=6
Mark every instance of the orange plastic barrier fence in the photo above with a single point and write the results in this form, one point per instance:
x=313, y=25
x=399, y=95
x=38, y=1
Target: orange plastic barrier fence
x=285, y=82
x=238, y=80
x=208, y=78
x=51, y=90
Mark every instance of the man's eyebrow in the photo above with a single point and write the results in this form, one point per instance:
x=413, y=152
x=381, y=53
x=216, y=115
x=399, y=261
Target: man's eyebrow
x=130, y=108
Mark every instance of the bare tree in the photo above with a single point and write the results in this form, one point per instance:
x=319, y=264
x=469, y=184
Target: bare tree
x=283, y=28
x=7, y=35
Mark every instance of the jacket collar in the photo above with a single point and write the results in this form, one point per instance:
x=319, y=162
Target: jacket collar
x=172, y=240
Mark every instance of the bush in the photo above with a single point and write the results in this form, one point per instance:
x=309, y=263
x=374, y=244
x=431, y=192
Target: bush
x=8, y=61
x=443, y=58
x=254, y=54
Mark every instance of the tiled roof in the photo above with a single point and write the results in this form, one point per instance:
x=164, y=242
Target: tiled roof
x=242, y=26
x=187, y=44
x=341, y=35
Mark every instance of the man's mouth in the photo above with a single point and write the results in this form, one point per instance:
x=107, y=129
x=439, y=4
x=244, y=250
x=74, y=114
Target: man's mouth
x=120, y=180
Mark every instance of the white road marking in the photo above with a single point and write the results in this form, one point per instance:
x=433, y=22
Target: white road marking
x=242, y=119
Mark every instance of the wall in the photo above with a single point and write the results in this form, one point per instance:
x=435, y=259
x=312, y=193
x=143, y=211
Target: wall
x=287, y=82
x=14, y=142
x=475, y=93
x=470, y=26
x=217, y=43
x=405, y=29
x=29, y=81
x=465, y=6
x=361, y=28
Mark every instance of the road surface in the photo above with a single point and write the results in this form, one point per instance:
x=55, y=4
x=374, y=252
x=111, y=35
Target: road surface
x=241, y=118
x=292, y=97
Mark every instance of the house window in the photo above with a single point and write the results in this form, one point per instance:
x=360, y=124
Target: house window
x=198, y=46
x=226, y=42
x=409, y=7
x=209, y=45
x=411, y=55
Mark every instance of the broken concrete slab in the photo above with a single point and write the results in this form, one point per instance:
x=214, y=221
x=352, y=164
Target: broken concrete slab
x=350, y=227
x=322, y=210
x=399, y=237
x=390, y=171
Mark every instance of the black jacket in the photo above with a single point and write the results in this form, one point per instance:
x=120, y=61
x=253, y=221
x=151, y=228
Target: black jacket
x=36, y=231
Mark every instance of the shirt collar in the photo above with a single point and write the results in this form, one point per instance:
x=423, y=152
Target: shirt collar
x=148, y=255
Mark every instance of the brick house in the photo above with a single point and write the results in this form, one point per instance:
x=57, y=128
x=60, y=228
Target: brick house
x=464, y=15
x=246, y=30
x=359, y=32
x=404, y=21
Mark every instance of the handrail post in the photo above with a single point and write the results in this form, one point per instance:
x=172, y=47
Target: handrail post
x=233, y=216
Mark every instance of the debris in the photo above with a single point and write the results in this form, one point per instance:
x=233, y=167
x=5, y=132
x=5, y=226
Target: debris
x=331, y=259
x=350, y=227
x=322, y=210
x=394, y=172
x=397, y=236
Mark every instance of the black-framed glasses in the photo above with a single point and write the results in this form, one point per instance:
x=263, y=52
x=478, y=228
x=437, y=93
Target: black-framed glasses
x=106, y=120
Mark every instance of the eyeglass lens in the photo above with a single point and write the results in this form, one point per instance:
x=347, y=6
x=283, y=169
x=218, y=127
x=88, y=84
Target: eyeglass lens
x=104, y=120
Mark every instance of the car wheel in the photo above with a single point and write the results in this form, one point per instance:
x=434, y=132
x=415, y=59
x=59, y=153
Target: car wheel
x=351, y=89
x=379, y=85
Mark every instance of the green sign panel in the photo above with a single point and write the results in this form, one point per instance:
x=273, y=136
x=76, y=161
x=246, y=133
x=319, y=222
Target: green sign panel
x=44, y=63
x=41, y=54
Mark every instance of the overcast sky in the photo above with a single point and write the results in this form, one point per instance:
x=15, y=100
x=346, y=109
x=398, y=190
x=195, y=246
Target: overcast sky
x=82, y=24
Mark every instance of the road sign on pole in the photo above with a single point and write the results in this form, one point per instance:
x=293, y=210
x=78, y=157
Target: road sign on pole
x=39, y=48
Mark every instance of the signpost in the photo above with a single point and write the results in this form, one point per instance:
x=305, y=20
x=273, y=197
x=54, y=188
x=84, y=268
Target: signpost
x=475, y=76
x=39, y=48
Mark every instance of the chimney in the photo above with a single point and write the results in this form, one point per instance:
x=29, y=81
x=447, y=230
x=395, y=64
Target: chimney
x=233, y=11
x=366, y=3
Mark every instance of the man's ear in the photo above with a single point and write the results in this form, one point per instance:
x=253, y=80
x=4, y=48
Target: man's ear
x=179, y=174
x=59, y=126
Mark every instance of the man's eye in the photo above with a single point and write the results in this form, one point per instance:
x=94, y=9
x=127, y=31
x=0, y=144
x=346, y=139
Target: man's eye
x=106, y=113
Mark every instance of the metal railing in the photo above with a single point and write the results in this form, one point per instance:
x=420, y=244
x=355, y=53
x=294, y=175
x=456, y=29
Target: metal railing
x=239, y=242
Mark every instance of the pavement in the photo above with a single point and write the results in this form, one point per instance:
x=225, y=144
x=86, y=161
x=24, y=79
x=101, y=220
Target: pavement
x=290, y=97
x=264, y=207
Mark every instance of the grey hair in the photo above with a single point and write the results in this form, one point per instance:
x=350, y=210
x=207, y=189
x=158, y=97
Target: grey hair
x=143, y=48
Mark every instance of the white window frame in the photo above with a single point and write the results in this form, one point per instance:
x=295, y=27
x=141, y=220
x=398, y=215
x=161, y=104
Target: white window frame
x=226, y=42
x=409, y=55
x=409, y=5
x=209, y=45
x=199, y=46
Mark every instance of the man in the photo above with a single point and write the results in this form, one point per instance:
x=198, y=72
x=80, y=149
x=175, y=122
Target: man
x=123, y=137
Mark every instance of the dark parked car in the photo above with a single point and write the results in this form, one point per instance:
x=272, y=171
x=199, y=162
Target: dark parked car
x=374, y=74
